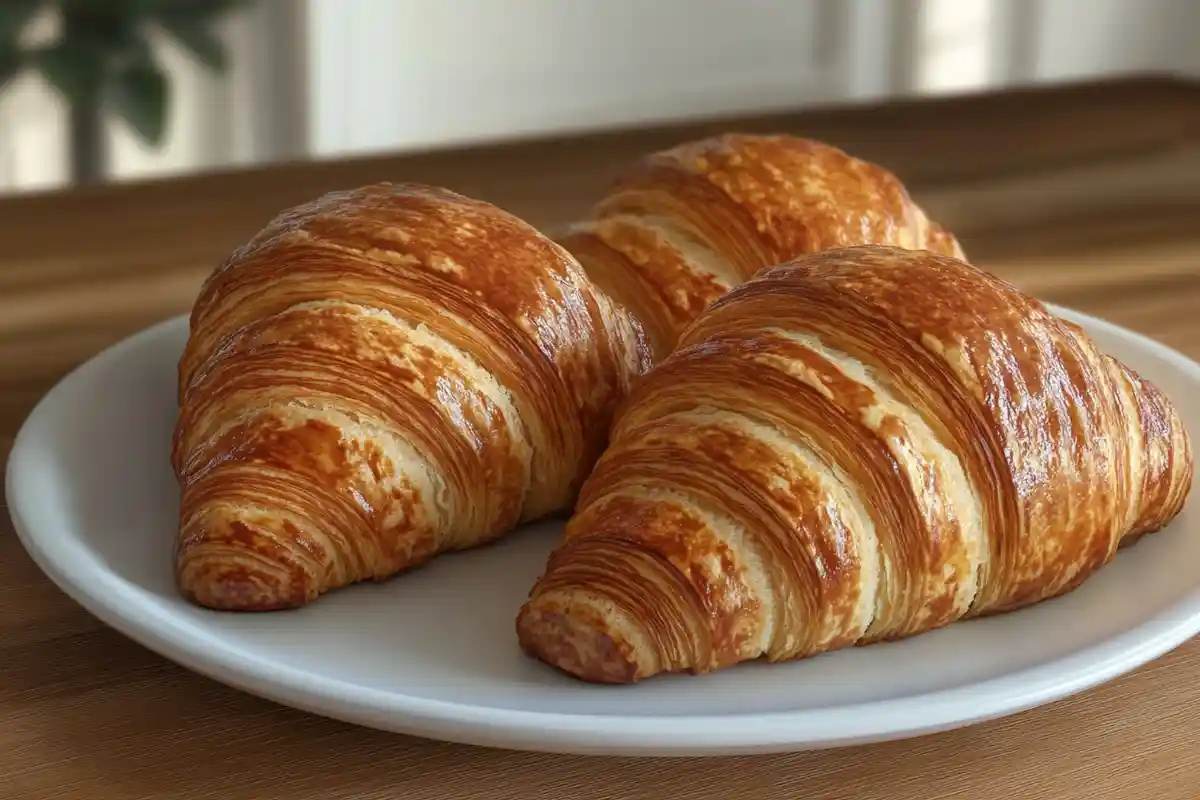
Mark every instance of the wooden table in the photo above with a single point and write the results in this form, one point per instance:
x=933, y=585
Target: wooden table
x=1085, y=196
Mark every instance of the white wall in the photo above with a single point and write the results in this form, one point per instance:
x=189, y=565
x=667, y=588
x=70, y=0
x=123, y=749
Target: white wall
x=32, y=125
x=955, y=49
x=1086, y=38
x=332, y=77
x=408, y=74
x=965, y=45
x=393, y=74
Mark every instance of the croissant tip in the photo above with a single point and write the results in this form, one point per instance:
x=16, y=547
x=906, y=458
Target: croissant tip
x=238, y=590
x=233, y=595
x=578, y=641
x=220, y=567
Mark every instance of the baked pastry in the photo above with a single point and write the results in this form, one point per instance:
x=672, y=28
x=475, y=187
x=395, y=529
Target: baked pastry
x=681, y=227
x=379, y=376
x=860, y=445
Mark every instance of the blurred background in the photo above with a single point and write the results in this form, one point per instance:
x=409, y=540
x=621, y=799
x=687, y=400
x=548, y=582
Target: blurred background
x=120, y=90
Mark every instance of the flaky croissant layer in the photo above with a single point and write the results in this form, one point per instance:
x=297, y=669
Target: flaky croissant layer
x=859, y=445
x=680, y=227
x=378, y=376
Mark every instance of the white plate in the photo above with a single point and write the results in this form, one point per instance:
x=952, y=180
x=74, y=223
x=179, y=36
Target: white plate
x=434, y=653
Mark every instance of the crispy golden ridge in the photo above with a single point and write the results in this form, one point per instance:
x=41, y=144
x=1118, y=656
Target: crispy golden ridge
x=378, y=376
x=862, y=444
x=683, y=226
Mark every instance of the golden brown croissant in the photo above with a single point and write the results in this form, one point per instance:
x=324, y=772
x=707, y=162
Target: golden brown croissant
x=379, y=376
x=861, y=445
x=683, y=226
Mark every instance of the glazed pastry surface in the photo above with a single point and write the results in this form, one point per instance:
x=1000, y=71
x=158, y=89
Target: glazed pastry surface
x=682, y=226
x=859, y=445
x=379, y=376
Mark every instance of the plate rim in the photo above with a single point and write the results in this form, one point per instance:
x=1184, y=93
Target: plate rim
x=115, y=603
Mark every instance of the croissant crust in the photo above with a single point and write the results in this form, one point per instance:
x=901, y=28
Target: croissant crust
x=376, y=377
x=859, y=445
x=682, y=226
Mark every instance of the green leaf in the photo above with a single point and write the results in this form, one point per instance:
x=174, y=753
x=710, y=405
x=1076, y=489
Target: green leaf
x=199, y=9
x=14, y=16
x=197, y=35
x=157, y=7
x=107, y=27
x=10, y=64
x=139, y=94
x=74, y=67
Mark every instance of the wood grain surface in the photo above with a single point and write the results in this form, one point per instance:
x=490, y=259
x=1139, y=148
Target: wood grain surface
x=1084, y=195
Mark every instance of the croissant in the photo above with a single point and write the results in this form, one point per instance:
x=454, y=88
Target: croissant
x=681, y=227
x=377, y=377
x=860, y=445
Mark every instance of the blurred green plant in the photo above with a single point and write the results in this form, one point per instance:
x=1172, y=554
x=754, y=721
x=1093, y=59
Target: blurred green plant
x=102, y=62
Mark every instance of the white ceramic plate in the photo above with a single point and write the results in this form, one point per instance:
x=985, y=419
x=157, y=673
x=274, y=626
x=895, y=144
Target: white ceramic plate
x=434, y=653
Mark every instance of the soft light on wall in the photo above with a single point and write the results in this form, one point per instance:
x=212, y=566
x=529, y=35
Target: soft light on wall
x=326, y=78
